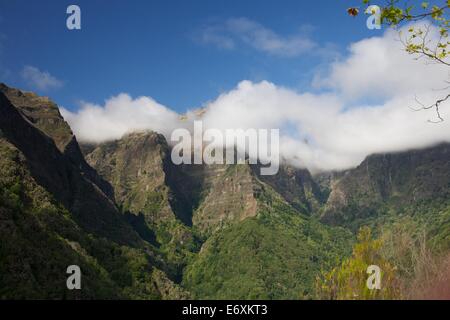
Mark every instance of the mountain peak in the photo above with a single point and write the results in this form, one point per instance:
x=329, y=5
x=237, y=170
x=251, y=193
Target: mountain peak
x=42, y=112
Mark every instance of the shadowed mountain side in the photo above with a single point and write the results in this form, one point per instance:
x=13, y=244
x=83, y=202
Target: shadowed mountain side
x=45, y=115
x=52, y=216
x=297, y=187
x=139, y=168
x=89, y=206
x=395, y=180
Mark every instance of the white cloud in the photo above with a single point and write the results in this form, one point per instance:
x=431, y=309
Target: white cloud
x=244, y=31
x=41, y=80
x=321, y=134
x=120, y=115
x=380, y=67
x=318, y=131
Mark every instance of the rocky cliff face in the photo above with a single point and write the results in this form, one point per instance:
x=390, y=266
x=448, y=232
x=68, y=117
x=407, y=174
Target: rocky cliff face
x=394, y=180
x=44, y=115
x=52, y=215
x=232, y=193
x=186, y=203
x=229, y=196
x=134, y=166
x=150, y=192
x=58, y=174
x=209, y=197
x=298, y=188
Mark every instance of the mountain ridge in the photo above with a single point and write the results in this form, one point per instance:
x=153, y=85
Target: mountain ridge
x=144, y=228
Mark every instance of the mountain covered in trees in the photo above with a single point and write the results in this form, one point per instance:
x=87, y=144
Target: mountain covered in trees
x=141, y=227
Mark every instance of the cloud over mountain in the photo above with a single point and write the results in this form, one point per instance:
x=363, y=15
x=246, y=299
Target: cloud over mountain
x=120, y=115
x=325, y=131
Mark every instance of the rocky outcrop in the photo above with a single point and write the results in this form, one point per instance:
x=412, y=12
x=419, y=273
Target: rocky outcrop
x=137, y=167
x=297, y=187
x=45, y=116
x=393, y=180
x=59, y=176
x=52, y=216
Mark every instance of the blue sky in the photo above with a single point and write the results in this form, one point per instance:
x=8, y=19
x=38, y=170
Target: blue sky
x=169, y=50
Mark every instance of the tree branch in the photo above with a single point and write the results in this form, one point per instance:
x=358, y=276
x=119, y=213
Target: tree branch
x=435, y=105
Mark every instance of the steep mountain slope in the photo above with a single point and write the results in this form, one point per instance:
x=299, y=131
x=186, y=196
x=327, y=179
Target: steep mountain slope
x=229, y=197
x=51, y=169
x=52, y=216
x=230, y=207
x=209, y=197
x=135, y=167
x=297, y=187
x=230, y=193
x=390, y=180
x=45, y=115
x=141, y=227
x=387, y=189
x=138, y=168
x=274, y=254
x=42, y=113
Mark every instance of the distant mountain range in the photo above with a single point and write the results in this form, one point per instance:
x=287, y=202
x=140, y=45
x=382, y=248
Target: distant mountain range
x=141, y=227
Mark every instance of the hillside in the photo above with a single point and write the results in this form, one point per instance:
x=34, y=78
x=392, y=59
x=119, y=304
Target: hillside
x=232, y=213
x=141, y=227
x=386, y=187
x=53, y=216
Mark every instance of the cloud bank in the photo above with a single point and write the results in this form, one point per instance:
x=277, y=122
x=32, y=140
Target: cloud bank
x=120, y=115
x=327, y=131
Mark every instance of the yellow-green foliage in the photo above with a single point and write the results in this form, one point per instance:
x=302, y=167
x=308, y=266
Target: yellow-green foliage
x=349, y=280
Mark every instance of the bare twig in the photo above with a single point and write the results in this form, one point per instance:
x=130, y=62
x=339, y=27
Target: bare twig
x=435, y=105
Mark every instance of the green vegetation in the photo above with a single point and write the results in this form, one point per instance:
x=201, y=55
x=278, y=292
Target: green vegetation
x=213, y=232
x=39, y=240
x=275, y=255
x=349, y=280
x=411, y=267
